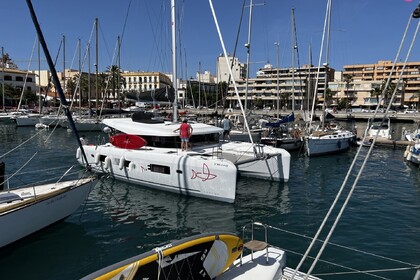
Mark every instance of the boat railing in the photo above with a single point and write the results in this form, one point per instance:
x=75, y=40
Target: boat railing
x=253, y=244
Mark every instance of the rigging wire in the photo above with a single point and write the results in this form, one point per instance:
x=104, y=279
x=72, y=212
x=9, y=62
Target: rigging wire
x=353, y=164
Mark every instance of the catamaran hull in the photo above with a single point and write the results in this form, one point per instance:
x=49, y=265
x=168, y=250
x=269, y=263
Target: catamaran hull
x=257, y=161
x=165, y=169
x=54, y=202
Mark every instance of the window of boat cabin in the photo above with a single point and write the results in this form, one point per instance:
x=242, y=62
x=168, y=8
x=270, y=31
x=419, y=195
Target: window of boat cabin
x=175, y=141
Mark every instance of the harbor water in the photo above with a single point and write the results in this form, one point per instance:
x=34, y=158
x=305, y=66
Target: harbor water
x=379, y=230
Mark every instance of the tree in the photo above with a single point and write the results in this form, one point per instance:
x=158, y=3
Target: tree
x=376, y=91
x=114, y=78
x=348, y=79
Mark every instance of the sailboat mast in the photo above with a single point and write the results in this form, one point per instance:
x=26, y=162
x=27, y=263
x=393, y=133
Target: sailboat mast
x=119, y=76
x=96, y=65
x=89, y=86
x=79, y=48
x=39, y=79
x=248, y=54
x=199, y=85
x=293, y=59
x=309, y=78
x=174, y=77
x=278, y=82
x=327, y=47
x=64, y=66
x=2, y=78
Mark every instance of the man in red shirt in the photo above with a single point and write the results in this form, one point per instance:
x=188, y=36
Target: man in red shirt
x=185, y=132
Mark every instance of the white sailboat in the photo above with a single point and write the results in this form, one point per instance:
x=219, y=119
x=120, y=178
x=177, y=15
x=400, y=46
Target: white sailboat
x=321, y=139
x=27, y=209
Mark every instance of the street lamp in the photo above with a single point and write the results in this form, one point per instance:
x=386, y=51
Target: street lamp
x=278, y=97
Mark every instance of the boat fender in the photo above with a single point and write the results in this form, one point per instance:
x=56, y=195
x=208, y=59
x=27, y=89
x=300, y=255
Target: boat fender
x=107, y=163
x=406, y=151
x=339, y=144
x=122, y=163
x=408, y=157
x=78, y=153
x=131, y=166
x=97, y=158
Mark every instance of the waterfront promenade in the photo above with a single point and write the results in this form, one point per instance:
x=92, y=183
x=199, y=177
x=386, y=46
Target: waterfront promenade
x=339, y=115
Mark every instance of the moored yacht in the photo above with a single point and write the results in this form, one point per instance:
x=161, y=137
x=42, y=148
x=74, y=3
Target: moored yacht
x=253, y=160
x=153, y=160
x=207, y=170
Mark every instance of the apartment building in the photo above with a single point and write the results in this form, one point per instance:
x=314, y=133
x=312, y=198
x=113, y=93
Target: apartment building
x=144, y=81
x=294, y=88
x=19, y=79
x=222, y=68
x=408, y=90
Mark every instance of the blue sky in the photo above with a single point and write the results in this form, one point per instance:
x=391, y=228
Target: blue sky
x=362, y=32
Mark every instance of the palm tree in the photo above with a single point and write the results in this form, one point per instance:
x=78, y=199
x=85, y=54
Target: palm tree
x=348, y=79
x=388, y=91
x=114, y=78
x=376, y=91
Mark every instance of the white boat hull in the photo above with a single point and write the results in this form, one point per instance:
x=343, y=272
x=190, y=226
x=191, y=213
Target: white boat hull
x=86, y=125
x=27, y=120
x=53, y=203
x=268, y=163
x=186, y=173
x=243, y=136
x=328, y=144
x=59, y=121
x=412, y=154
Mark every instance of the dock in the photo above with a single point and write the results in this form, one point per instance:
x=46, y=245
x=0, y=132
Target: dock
x=400, y=144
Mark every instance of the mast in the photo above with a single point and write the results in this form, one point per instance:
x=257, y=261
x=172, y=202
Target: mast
x=89, y=87
x=278, y=89
x=309, y=78
x=118, y=77
x=199, y=85
x=2, y=78
x=96, y=65
x=248, y=55
x=64, y=65
x=39, y=79
x=293, y=59
x=327, y=47
x=80, y=72
x=174, y=77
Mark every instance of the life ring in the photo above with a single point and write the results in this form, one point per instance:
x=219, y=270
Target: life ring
x=122, y=163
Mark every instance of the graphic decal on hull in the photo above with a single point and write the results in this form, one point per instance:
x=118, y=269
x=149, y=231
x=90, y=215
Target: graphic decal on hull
x=204, y=175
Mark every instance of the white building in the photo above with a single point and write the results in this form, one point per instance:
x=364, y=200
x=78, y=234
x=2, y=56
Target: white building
x=222, y=68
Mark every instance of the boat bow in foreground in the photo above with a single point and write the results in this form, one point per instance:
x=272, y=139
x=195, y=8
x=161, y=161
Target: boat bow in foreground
x=26, y=210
